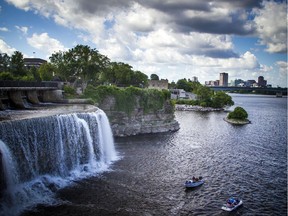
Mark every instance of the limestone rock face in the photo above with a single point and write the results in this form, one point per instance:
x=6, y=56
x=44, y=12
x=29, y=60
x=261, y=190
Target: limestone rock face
x=139, y=121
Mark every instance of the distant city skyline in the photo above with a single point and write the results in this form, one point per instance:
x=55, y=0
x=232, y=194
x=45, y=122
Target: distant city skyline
x=223, y=81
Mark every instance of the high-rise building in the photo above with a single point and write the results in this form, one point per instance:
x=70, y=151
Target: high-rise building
x=261, y=81
x=223, y=79
x=195, y=79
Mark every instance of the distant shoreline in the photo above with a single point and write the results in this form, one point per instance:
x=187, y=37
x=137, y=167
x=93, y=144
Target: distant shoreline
x=185, y=107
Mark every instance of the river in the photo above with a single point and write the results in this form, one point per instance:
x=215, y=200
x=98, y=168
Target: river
x=248, y=161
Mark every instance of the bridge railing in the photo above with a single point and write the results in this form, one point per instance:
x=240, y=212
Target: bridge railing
x=8, y=83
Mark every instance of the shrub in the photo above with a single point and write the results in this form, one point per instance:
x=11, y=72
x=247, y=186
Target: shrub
x=6, y=76
x=126, y=99
x=238, y=113
x=69, y=91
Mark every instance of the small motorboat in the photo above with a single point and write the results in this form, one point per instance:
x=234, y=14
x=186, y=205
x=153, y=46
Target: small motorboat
x=232, y=204
x=194, y=182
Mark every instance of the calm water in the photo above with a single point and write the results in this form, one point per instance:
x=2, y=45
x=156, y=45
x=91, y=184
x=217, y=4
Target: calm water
x=248, y=161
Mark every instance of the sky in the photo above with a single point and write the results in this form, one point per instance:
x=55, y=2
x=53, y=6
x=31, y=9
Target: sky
x=173, y=39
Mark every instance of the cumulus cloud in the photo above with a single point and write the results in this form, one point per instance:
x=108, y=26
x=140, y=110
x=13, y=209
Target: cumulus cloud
x=22, y=4
x=45, y=43
x=156, y=36
x=215, y=17
x=5, y=48
x=271, y=22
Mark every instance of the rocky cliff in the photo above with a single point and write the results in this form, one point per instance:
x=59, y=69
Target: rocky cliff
x=138, y=120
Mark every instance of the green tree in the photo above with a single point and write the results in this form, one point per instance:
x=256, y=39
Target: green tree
x=122, y=74
x=118, y=73
x=172, y=85
x=88, y=63
x=33, y=74
x=60, y=61
x=195, y=85
x=154, y=77
x=184, y=84
x=4, y=62
x=46, y=71
x=17, y=64
x=80, y=63
x=139, y=79
x=204, y=95
x=238, y=113
x=221, y=99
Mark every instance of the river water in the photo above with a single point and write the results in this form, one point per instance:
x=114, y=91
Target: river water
x=248, y=161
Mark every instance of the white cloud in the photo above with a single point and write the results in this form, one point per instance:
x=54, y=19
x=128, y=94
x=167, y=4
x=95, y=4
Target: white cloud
x=247, y=61
x=22, y=4
x=138, y=19
x=4, y=29
x=23, y=29
x=271, y=22
x=265, y=68
x=174, y=39
x=283, y=68
x=5, y=48
x=45, y=43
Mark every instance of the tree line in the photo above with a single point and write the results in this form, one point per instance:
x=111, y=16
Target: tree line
x=83, y=66
x=80, y=64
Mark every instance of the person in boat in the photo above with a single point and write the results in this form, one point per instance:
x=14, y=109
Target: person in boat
x=229, y=203
x=232, y=202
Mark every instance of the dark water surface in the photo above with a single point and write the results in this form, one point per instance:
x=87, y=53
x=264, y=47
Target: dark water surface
x=248, y=161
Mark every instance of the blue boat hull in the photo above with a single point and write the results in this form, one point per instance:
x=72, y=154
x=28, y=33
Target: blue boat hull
x=194, y=184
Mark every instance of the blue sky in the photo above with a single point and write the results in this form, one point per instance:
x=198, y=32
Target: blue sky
x=174, y=39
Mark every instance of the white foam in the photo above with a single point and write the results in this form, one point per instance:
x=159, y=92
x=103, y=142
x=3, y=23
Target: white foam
x=74, y=134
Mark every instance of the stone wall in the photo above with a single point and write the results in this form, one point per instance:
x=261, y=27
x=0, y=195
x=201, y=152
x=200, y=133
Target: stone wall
x=138, y=121
x=16, y=99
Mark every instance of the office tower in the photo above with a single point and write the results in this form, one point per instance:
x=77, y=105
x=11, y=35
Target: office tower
x=223, y=79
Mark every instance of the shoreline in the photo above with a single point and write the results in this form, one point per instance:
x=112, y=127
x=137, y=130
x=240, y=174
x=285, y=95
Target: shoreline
x=185, y=107
x=236, y=121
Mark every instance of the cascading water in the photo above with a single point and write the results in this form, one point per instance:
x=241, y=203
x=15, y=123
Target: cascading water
x=38, y=156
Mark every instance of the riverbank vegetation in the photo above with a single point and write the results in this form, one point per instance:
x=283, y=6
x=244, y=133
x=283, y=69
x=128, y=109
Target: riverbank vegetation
x=127, y=99
x=88, y=73
x=205, y=97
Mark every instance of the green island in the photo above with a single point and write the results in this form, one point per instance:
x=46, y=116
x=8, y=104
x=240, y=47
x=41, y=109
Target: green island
x=239, y=116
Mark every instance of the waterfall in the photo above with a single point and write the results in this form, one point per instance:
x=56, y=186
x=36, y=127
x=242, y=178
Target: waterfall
x=38, y=156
